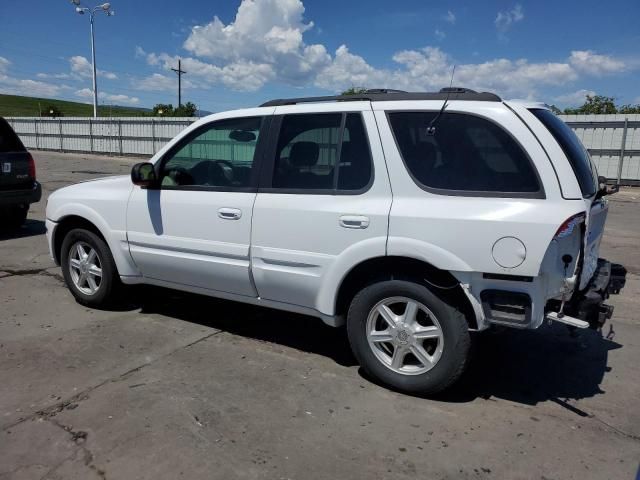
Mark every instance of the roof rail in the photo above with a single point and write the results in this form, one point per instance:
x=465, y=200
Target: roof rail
x=382, y=95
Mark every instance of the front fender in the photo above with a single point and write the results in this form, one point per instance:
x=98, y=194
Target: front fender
x=114, y=235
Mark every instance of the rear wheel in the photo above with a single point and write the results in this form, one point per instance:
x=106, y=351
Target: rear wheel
x=16, y=215
x=88, y=268
x=405, y=336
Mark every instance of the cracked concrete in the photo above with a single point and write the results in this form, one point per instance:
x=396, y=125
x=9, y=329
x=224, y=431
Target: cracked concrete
x=177, y=385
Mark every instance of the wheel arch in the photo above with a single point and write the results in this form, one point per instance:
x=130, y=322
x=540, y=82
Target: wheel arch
x=65, y=225
x=84, y=217
x=441, y=282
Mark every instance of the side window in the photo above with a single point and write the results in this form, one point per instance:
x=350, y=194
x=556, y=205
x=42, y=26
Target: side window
x=464, y=153
x=325, y=151
x=221, y=154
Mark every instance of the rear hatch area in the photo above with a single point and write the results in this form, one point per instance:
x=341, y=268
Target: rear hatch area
x=16, y=164
x=593, y=236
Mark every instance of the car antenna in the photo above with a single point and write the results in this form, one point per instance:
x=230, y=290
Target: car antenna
x=431, y=129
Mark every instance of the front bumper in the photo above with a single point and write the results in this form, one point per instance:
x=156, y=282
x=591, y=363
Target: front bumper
x=588, y=305
x=21, y=197
x=51, y=228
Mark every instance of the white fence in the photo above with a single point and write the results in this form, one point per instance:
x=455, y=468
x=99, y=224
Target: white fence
x=116, y=136
x=612, y=140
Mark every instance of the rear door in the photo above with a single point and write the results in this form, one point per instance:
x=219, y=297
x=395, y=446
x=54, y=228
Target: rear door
x=324, y=199
x=14, y=160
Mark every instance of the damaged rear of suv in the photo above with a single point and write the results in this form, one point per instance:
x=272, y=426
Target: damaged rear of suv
x=414, y=218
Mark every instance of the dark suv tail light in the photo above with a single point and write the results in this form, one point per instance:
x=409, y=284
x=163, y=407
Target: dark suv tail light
x=570, y=224
x=32, y=168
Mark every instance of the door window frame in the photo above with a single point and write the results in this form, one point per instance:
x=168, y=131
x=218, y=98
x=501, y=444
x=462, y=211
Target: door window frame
x=265, y=184
x=261, y=144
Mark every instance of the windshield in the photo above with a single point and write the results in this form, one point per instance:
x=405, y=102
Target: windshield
x=572, y=148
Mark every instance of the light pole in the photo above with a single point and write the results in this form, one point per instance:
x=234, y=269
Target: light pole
x=80, y=9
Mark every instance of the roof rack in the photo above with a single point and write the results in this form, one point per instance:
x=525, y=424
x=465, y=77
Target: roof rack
x=383, y=94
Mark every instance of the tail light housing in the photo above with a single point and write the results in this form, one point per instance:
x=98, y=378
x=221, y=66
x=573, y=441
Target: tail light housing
x=569, y=225
x=32, y=167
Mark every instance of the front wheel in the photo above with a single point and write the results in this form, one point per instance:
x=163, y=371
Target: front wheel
x=88, y=268
x=407, y=337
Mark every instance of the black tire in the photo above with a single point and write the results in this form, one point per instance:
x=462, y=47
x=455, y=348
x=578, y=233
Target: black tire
x=110, y=282
x=455, y=333
x=16, y=216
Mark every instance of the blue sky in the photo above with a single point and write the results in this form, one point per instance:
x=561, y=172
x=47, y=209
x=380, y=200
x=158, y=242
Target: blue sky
x=239, y=54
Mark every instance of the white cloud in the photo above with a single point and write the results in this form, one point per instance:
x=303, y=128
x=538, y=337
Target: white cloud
x=156, y=82
x=263, y=33
x=107, y=97
x=450, y=17
x=574, y=98
x=82, y=67
x=440, y=35
x=53, y=75
x=505, y=19
x=19, y=86
x=430, y=68
x=265, y=44
x=4, y=64
x=589, y=62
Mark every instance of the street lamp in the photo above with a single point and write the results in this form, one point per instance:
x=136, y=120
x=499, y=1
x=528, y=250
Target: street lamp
x=81, y=10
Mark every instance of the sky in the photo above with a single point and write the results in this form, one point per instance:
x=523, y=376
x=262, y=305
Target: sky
x=240, y=53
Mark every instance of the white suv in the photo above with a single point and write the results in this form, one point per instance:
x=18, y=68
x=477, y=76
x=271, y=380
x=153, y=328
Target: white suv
x=413, y=217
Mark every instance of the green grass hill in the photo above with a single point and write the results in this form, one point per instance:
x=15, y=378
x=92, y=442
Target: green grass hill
x=17, y=106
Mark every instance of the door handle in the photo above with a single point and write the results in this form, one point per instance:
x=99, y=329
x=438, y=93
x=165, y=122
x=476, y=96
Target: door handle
x=227, y=213
x=354, y=221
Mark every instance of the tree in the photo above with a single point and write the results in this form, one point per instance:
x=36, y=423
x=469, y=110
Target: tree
x=52, y=111
x=189, y=109
x=555, y=109
x=354, y=91
x=163, y=110
x=598, y=104
x=629, y=109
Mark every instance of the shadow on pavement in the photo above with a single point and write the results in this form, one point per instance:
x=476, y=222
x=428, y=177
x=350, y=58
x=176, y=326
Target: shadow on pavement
x=31, y=228
x=528, y=367
x=301, y=332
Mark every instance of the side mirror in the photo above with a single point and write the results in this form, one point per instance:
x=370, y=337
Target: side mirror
x=604, y=189
x=144, y=175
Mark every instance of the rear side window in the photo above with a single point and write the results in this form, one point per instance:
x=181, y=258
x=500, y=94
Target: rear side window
x=9, y=141
x=572, y=148
x=324, y=152
x=465, y=155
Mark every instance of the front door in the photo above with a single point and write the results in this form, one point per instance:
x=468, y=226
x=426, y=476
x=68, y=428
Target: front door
x=194, y=229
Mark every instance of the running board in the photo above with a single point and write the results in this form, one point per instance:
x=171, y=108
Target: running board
x=566, y=319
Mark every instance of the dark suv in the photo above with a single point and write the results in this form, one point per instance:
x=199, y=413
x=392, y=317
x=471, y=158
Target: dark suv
x=18, y=186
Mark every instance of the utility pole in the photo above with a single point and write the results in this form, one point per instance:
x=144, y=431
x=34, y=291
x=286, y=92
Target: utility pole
x=180, y=72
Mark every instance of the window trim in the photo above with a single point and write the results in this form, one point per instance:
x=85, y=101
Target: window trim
x=266, y=175
x=539, y=194
x=569, y=155
x=255, y=167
